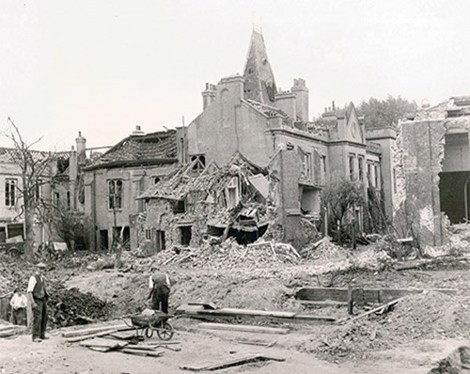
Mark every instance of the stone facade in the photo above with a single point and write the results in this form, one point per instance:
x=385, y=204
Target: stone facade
x=248, y=115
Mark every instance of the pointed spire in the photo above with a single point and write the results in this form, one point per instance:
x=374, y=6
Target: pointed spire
x=259, y=78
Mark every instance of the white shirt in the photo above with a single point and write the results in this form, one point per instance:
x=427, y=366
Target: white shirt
x=18, y=301
x=167, y=281
x=32, y=282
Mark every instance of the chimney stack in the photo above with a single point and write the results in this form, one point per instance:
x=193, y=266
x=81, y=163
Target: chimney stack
x=208, y=95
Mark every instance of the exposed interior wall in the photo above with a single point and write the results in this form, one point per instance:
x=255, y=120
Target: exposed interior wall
x=419, y=212
x=454, y=188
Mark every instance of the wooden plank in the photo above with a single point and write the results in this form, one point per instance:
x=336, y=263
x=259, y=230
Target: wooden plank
x=7, y=327
x=7, y=333
x=243, y=328
x=261, y=343
x=71, y=334
x=248, y=312
x=142, y=353
x=102, y=342
x=85, y=337
x=308, y=317
x=326, y=303
x=233, y=362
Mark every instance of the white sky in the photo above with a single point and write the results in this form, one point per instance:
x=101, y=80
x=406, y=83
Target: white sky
x=104, y=67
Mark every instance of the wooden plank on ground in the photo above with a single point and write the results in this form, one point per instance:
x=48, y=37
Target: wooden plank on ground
x=248, y=312
x=85, y=337
x=243, y=328
x=326, y=303
x=7, y=333
x=233, y=362
x=103, y=342
x=89, y=331
x=6, y=327
x=311, y=318
x=142, y=353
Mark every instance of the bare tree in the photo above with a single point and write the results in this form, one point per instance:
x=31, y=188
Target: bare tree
x=35, y=168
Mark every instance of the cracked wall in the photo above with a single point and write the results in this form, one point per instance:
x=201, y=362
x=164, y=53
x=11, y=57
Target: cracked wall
x=419, y=155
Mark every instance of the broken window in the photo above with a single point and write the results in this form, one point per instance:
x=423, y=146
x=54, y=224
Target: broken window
x=3, y=235
x=376, y=176
x=232, y=194
x=323, y=169
x=361, y=168
x=307, y=165
x=352, y=170
x=115, y=194
x=148, y=234
x=185, y=235
x=68, y=200
x=179, y=206
x=310, y=201
x=15, y=229
x=104, y=243
x=156, y=180
x=199, y=162
x=10, y=192
x=160, y=238
x=369, y=175
x=56, y=198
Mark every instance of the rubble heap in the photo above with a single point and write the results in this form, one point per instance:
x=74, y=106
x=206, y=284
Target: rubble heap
x=229, y=254
x=431, y=315
x=70, y=307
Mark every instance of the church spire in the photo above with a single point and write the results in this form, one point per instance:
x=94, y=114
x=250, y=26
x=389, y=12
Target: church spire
x=259, y=78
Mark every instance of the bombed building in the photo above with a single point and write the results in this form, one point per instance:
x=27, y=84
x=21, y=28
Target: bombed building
x=432, y=171
x=248, y=115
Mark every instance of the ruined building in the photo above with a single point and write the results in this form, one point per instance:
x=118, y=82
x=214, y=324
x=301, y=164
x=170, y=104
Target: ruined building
x=270, y=128
x=113, y=181
x=432, y=171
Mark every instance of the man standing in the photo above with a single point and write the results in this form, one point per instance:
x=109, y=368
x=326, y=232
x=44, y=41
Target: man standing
x=159, y=284
x=37, y=297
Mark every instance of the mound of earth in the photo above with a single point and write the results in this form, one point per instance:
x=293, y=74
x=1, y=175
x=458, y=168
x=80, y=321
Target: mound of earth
x=430, y=315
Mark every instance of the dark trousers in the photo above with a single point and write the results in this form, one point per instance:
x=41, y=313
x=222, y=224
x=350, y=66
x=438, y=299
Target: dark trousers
x=18, y=316
x=39, y=318
x=160, y=295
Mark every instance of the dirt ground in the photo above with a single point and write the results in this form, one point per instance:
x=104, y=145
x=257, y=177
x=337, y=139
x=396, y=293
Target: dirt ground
x=412, y=338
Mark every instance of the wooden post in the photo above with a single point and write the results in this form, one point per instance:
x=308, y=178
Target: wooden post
x=350, y=300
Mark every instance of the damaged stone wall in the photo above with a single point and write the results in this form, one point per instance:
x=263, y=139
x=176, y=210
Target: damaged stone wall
x=418, y=161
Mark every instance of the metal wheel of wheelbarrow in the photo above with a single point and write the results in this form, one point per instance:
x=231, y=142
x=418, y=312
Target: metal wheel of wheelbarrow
x=165, y=331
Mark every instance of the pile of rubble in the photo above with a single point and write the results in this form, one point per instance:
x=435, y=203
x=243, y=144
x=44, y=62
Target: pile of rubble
x=229, y=254
x=431, y=315
x=70, y=307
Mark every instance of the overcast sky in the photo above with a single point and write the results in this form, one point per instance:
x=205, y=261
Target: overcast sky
x=104, y=67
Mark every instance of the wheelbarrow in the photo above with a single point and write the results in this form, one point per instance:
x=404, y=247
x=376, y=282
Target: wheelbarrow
x=146, y=324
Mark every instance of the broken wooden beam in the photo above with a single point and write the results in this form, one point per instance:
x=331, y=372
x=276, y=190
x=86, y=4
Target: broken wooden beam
x=233, y=362
x=243, y=328
x=369, y=312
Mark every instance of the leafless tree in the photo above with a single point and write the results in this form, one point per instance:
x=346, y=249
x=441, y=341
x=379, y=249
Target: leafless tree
x=35, y=170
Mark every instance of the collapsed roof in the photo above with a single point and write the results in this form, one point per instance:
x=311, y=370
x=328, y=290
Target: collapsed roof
x=137, y=150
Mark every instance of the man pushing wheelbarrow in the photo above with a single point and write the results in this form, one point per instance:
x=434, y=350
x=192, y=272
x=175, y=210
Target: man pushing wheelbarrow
x=160, y=286
x=156, y=317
